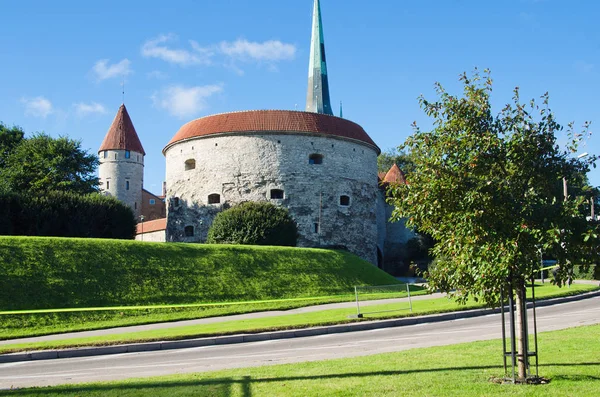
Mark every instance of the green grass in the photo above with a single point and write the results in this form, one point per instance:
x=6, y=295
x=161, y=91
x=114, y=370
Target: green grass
x=568, y=357
x=52, y=273
x=290, y=321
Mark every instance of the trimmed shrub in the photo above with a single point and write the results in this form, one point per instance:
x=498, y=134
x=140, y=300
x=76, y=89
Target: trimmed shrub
x=254, y=223
x=65, y=215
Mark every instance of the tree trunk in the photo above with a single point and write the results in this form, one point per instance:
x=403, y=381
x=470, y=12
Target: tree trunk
x=522, y=335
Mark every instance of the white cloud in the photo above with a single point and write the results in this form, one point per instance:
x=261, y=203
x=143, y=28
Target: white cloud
x=157, y=74
x=105, y=71
x=37, y=107
x=156, y=48
x=85, y=109
x=183, y=101
x=271, y=50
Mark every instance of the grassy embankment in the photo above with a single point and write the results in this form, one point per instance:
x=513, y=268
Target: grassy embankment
x=53, y=273
x=568, y=357
x=289, y=321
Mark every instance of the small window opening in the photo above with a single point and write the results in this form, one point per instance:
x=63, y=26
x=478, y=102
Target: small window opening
x=276, y=194
x=316, y=227
x=107, y=185
x=105, y=153
x=135, y=205
x=152, y=201
x=138, y=157
x=214, y=198
x=190, y=164
x=126, y=185
x=344, y=200
x=127, y=154
x=175, y=201
x=115, y=156
x=188, y=231
x=315, y=159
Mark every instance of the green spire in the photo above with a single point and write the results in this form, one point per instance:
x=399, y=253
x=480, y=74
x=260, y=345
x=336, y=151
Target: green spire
x=317, y=97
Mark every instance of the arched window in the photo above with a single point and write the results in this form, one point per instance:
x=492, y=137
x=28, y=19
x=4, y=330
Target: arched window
x=214, y=198
x=190, y=164
x=344, y=200
x=175, y=201
x=276, y=194
x=315, y=158
x=188, y=231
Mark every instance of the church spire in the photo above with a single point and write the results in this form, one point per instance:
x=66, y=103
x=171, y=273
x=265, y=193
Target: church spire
x=317, y=97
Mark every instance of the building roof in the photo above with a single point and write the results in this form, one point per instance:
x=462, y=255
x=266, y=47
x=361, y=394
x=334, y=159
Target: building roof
x=151, y=226
x=121, y=135
x=395, y=175
x=274, y=121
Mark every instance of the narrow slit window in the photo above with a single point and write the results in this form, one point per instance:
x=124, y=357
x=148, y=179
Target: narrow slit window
x=127, y=154
x=126, y=185
x=107, y=185
x=105, y=153
x=276, y=194
x=190, y=164
x=315, y=158
x=188, y=231
x=214, y=198
x=316, y=227
x=344, y=200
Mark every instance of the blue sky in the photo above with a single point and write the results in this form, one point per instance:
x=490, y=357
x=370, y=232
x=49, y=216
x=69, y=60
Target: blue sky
x=63, y=61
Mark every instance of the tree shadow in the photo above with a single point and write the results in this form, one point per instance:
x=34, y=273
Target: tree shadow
x=228, y=386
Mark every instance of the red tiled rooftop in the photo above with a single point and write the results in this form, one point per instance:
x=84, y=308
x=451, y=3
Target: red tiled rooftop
x=273, y=121
x=151, y=226
x=121, y=135
x=395, y=175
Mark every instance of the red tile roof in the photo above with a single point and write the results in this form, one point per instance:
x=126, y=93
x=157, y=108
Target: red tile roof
x=151, y=226
x=395, y=175
x=273, y=121
x=121, y=135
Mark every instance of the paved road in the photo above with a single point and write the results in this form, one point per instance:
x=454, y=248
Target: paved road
x=122, y=366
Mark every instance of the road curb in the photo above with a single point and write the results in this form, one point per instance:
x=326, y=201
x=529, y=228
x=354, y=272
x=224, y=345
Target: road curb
x=273, y=335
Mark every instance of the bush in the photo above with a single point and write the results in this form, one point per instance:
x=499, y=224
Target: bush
x=65, y=215
x=254, y=223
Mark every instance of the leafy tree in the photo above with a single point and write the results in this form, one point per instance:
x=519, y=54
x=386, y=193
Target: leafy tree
x=255, y=223
x=9, y=139
x=488, y=189
x=42, y=163
x=387, y=159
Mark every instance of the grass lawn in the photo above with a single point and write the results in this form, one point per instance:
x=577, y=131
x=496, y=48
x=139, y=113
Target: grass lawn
x=291, y=321
x=569, y=358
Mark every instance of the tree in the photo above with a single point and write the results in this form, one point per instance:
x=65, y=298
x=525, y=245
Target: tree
x=488, y=189
x=387, y=159
x=254, y=223
x=42, y=163
x=9, y=139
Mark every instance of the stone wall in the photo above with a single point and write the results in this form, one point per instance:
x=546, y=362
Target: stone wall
x=153, y=237
x=248, y=167
x=115, y=171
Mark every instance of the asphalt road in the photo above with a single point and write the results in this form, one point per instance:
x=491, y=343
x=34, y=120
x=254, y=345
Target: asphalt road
x=210, y=358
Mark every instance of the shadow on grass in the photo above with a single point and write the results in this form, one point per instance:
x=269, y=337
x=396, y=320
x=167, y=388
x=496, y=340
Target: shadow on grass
x=226, y=387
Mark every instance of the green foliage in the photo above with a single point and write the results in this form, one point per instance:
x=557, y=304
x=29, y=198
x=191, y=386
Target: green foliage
x=254, y=223
x=41, y=273
x=387, y=159
x=65, y=214
x=41, y=163
x=488, y=189
x=9, y=139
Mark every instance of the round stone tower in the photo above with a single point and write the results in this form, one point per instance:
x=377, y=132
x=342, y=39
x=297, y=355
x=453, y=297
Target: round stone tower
x=121, y=170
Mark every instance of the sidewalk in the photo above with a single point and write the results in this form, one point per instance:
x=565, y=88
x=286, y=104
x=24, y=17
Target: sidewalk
x=212, y=320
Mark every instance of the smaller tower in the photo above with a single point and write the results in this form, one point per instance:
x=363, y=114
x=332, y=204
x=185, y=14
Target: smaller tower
x=317, y=96
x=121, y=169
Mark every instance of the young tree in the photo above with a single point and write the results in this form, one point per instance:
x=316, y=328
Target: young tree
x=42, y=163
x=489, y=190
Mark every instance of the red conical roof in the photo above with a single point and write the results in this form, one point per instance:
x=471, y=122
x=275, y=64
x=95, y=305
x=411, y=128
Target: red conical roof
x=121, y=135
x=395, y=175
